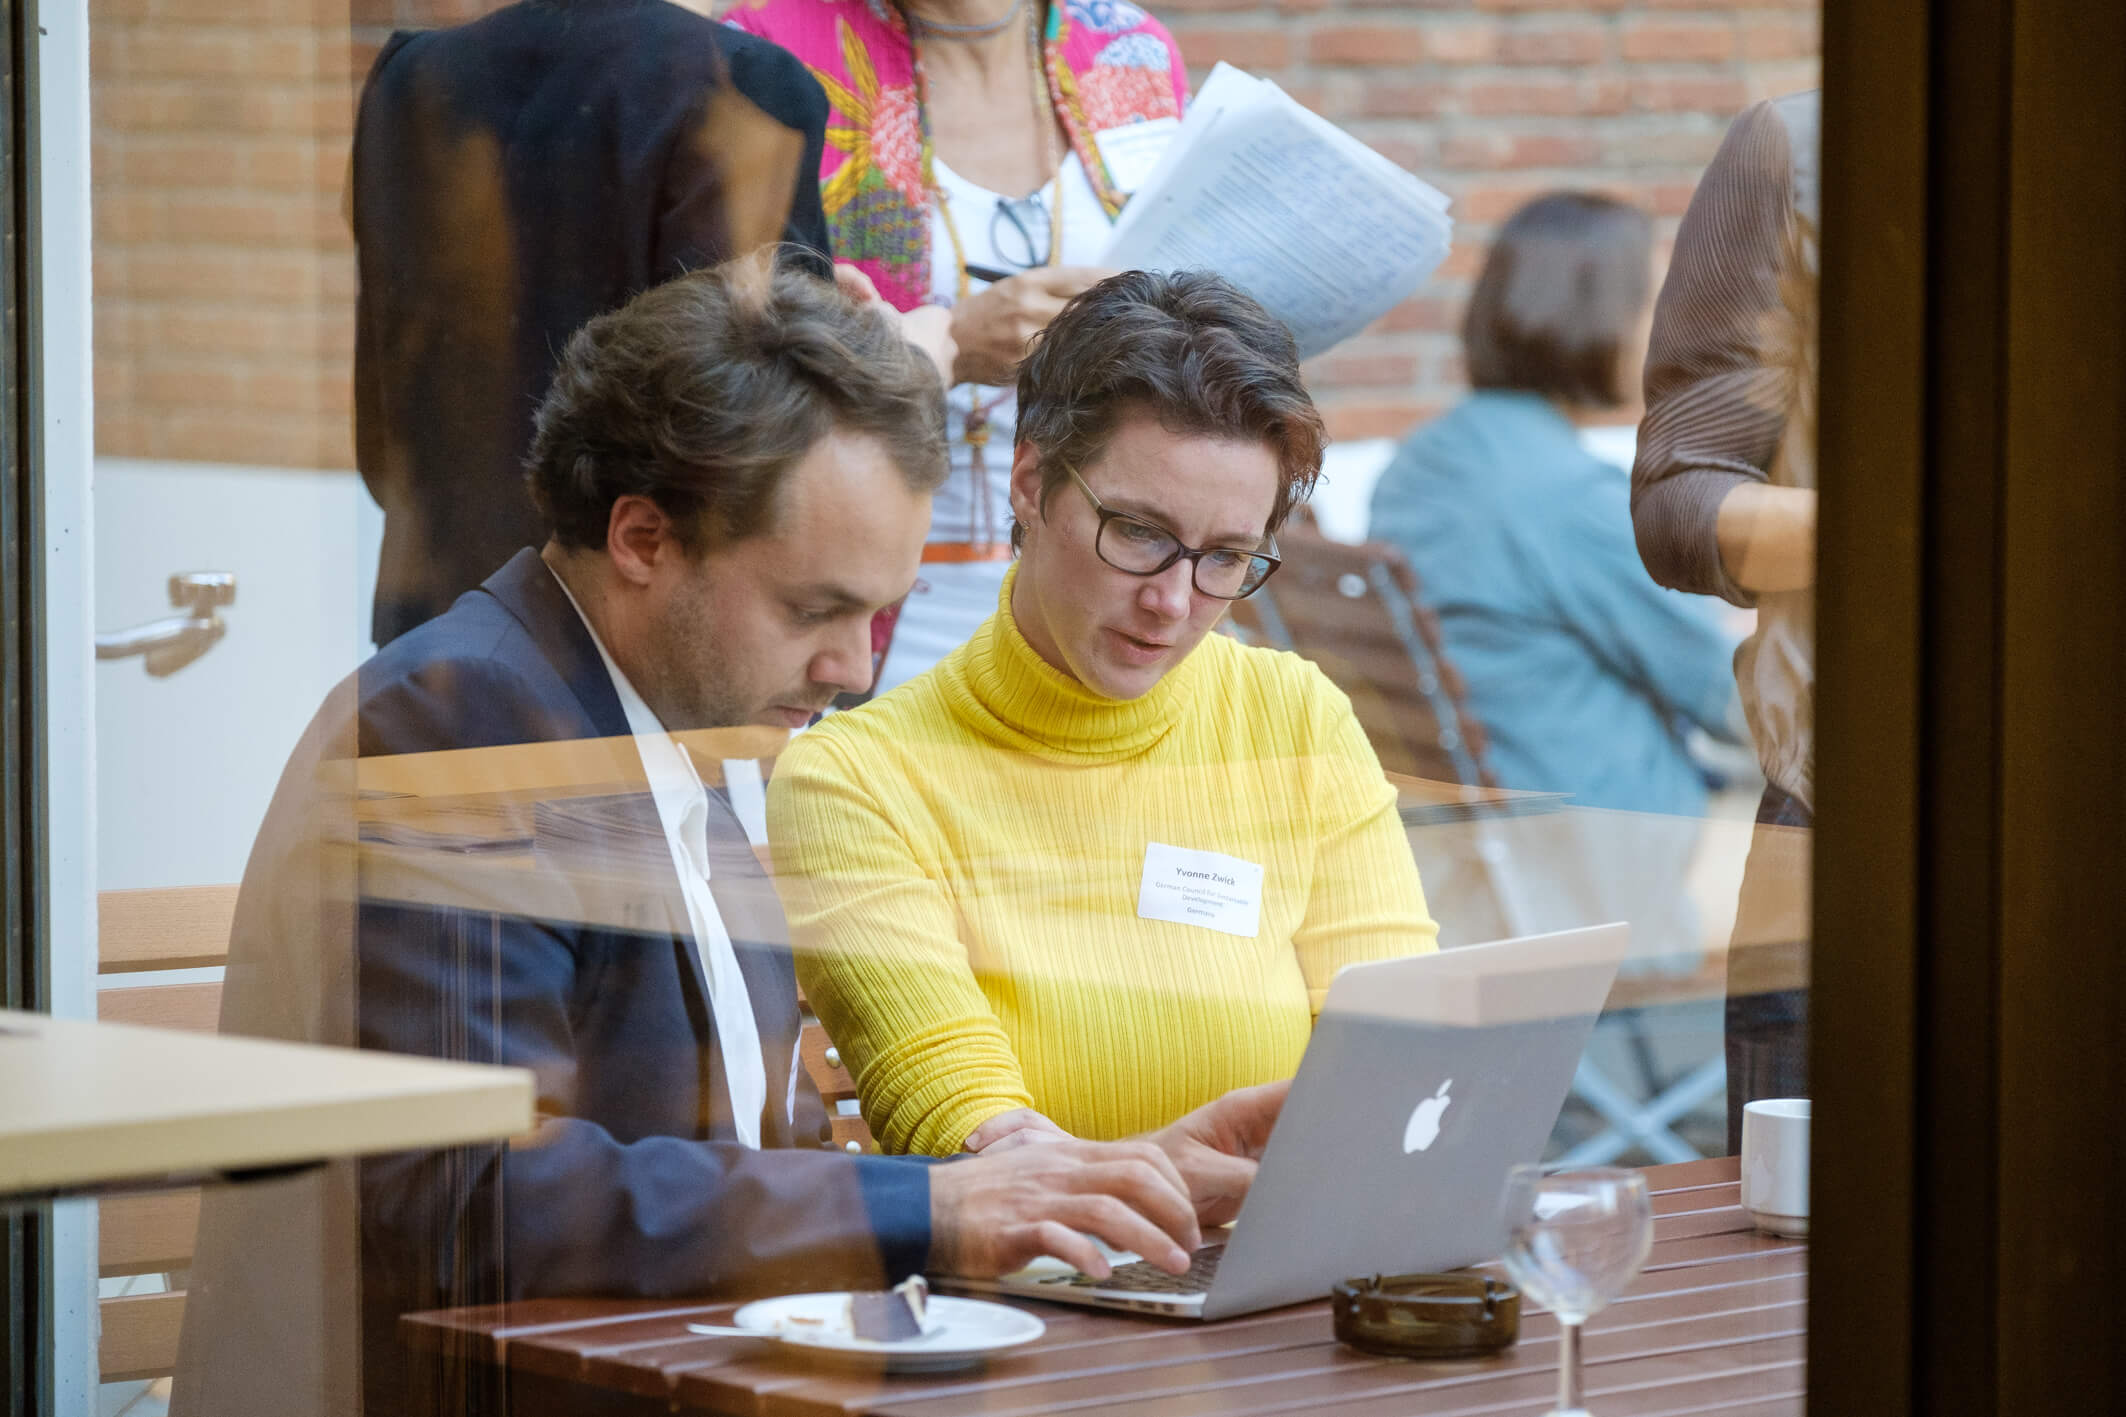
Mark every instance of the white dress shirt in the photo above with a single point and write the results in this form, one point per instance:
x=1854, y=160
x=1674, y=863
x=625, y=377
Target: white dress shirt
x=683, y=808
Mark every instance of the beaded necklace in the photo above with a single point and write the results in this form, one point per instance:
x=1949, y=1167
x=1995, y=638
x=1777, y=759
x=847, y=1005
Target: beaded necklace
x=982, y=528
x=983, y=30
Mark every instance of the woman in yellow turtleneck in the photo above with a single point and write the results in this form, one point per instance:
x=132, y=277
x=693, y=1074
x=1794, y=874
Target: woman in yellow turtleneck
x=1095, y=868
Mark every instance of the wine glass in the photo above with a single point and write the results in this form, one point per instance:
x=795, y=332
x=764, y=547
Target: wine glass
x=1574, y=1240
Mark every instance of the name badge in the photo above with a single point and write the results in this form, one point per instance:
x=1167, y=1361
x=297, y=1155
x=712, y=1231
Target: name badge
x=1222, y=893
x=1132, y=150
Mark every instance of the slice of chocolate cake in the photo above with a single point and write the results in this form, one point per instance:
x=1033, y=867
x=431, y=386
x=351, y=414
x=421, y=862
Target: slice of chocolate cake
x=890, y=1315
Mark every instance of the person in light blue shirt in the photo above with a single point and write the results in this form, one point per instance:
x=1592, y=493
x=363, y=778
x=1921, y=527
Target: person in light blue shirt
x=1587, y=676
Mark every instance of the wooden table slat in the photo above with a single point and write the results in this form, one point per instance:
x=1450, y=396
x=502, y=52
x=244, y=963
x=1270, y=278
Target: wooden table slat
x=1327, y=1372
x=1716, y=1322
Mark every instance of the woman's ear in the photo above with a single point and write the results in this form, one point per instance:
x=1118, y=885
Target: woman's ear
x=1026, y=486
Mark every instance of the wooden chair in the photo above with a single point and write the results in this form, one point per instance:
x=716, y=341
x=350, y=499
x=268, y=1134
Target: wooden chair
x=823, y=1064
x=1355, y=611
x=139, y=931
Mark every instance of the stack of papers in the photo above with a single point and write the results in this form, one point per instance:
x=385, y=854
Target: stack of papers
x=1325, y=232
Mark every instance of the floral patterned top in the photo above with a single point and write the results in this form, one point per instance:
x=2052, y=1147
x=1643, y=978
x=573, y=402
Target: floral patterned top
x=1109, y=64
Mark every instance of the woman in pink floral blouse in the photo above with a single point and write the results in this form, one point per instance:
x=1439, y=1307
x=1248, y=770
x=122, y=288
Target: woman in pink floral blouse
x=977, y=154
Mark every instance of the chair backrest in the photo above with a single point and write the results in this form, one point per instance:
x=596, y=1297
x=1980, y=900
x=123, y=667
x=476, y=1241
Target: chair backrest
x=143, y=931
x=837, y=1088
x=1356, y=611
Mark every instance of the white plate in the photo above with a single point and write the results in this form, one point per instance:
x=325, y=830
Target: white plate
x=959, y=1333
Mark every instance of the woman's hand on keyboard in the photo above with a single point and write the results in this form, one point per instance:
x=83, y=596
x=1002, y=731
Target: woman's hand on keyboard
x=1018, y=1127
x=1215, y=1147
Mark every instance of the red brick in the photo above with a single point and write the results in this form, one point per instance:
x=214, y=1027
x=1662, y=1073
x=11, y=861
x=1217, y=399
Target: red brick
x=234, y=12
x=1367, y=44
x=1724, y=95
x=1777, y=78
x=1363, y=368
x=194, y=385
x=1249, y=47
x=1490, y=151
x=1537, y=96
x=262, y=276
x=121, y=434
x=292, y=162
x=1420, y=312
x=1462, y=44
x=1385, y=418
x=219, y=51
x=239, y=220
x=1780, y=37
x=1400, y=97
x=1464, y=258
x=1669, y=199
x=224, y=124
x=1412, y=152
x=1553, y=42
x=1668, y=41
x=1492, y=202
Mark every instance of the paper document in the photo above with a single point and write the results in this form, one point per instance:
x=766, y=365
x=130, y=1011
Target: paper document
x=1325, y=232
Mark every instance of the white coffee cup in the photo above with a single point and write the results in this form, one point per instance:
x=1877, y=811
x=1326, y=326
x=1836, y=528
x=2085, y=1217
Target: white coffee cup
x=1775, y=1164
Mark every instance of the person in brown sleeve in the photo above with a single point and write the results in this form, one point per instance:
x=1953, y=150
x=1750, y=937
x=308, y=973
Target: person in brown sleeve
x=1724, y=503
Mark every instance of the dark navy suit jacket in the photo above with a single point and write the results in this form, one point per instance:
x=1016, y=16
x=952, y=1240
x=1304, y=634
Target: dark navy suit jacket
x=633, y=1182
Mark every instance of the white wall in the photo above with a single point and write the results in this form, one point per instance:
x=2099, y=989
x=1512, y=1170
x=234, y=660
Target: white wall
x=186, y=764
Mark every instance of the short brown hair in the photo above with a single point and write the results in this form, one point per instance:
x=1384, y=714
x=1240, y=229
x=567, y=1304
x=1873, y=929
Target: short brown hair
x=700, y=393
x=1564, y=285
x=1191, y=349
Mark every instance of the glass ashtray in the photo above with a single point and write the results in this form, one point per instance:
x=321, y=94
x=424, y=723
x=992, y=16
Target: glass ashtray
x=1427, y=1315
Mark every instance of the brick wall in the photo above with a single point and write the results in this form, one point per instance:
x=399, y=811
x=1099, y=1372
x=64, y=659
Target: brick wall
x=1495, y=102
x=224, y=276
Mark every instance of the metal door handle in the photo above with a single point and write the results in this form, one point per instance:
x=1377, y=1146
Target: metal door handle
x=174, y=641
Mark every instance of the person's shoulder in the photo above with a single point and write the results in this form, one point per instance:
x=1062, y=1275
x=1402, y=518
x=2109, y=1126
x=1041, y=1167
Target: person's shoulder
x=470, y=678
x=1284, y=691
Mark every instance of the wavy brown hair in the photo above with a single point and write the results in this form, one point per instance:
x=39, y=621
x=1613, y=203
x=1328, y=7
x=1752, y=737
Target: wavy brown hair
x=1193, y=350
x=702, y=392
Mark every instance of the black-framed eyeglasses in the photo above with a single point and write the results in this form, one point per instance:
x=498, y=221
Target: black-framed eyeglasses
x=1019, y=231
x=1143, y=548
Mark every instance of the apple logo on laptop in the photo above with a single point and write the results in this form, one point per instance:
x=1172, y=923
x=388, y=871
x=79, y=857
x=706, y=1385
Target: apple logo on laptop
x=1423, y=1129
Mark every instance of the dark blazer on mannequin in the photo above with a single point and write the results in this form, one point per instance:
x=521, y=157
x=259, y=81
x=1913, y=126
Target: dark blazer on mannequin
x=632, y=1182
x=512, y=178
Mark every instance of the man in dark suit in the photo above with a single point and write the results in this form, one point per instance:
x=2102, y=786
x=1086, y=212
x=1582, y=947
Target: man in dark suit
x=734, y=473
x=512, y=178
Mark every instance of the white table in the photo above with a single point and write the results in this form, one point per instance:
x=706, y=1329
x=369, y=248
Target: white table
x=87, y=1106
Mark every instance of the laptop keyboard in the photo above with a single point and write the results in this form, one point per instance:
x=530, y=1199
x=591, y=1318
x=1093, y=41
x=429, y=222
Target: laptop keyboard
x=1140, y=1277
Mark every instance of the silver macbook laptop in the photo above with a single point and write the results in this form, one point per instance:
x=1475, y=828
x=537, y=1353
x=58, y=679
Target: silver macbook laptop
x=1426, y=1078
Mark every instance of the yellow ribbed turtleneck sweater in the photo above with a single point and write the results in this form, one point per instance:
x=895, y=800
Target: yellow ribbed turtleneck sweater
x=961, y=860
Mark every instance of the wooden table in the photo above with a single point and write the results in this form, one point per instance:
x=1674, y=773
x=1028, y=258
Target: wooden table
x=85, y=1106
x=1716, y=1322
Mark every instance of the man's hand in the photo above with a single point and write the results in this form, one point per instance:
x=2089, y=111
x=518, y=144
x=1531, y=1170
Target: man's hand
x=990, y=1215
x=1216, y=1147
x=1018, y=1127
x=991, y=327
